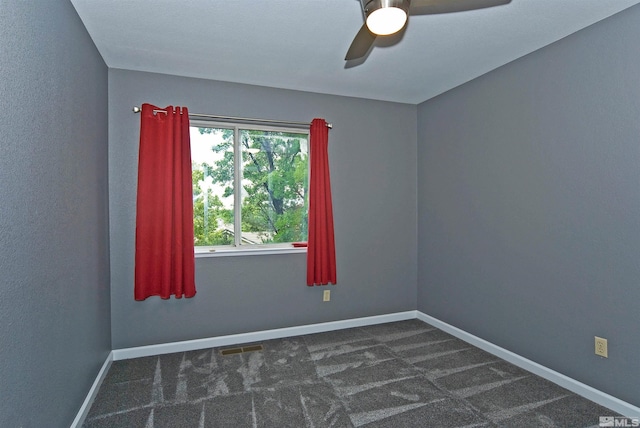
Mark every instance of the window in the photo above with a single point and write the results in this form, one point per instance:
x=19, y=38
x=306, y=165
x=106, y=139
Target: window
x=250, y=186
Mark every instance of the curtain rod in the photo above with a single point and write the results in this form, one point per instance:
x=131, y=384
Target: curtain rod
x=137, y=109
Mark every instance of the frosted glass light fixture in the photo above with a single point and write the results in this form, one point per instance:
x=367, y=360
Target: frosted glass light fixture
x=386, y=17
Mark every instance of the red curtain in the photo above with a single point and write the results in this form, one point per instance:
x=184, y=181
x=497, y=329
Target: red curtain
x=164, y=218
x=321, y=253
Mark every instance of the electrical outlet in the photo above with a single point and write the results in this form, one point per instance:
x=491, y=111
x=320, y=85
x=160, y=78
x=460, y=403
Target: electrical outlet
x=601, y=347
x=326, y=296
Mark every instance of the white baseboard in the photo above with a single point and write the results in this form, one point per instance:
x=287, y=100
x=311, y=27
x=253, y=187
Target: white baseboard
x=235, y=339
x=573, y=385
x=84, y=409
x=597, y=396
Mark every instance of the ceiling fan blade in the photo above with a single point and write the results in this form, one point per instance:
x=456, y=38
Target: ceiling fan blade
x=427, y=7
x=361, y=43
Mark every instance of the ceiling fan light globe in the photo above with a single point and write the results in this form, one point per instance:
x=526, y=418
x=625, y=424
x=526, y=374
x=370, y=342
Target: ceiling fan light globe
x=386, y=20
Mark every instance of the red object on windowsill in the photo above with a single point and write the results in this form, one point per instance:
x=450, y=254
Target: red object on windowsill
x=299, y=244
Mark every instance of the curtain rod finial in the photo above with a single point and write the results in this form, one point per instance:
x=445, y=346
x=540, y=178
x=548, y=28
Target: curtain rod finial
x=136, y=109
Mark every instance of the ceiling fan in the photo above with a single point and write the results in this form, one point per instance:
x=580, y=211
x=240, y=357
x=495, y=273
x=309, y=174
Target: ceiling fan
x=387, y=17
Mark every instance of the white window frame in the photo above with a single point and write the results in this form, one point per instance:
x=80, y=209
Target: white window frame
x=239, y=249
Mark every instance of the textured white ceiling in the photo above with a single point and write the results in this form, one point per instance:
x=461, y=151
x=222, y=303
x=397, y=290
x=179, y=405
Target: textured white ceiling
x=301, y=44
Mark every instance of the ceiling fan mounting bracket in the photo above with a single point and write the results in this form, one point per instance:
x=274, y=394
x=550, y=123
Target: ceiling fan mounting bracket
x=369, y=6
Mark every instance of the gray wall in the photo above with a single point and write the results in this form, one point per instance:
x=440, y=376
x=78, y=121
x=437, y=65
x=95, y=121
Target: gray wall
x=372, y=152
x=54, y=257
x=529, y=205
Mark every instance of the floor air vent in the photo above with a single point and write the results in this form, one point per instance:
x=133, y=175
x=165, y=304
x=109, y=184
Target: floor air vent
x=241, y=349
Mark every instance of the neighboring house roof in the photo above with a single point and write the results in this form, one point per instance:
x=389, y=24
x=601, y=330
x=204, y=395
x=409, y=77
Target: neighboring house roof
x=248, y=237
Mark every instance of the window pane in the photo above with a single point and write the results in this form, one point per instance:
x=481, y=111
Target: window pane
x=213, y=170
x=274, y=186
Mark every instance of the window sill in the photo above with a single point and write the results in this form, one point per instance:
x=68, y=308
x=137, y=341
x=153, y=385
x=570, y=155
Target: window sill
x=202, y=253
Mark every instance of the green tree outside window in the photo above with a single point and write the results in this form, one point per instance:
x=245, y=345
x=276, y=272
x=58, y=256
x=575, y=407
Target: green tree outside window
x=274, y=187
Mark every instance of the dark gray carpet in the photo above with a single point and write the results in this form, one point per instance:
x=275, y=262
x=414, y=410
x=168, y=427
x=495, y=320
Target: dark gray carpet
x=402, y=374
